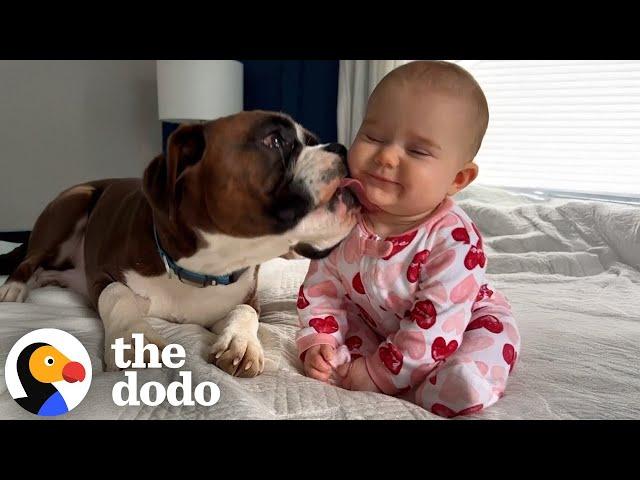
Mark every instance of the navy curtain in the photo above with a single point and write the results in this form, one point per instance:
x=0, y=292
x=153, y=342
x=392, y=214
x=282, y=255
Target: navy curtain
x=305, y=89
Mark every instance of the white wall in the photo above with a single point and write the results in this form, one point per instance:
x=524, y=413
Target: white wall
x=66, y=122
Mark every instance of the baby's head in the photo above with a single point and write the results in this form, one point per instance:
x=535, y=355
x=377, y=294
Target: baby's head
x=423, y=127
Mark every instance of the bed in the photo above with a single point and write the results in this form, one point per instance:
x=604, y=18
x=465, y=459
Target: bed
x=570, y=268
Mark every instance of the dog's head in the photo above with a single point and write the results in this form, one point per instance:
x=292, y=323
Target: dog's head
x=253, y=175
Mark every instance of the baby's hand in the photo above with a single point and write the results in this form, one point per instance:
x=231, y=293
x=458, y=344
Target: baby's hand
x=356, y=377
x=317, y=362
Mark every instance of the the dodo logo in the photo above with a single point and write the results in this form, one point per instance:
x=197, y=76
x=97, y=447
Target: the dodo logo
x=48, y=372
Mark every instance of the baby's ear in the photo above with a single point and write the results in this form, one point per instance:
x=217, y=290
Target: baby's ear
x=464, y=177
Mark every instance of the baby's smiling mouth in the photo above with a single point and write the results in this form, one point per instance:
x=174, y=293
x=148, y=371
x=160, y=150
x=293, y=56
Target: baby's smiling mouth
x=381, y=178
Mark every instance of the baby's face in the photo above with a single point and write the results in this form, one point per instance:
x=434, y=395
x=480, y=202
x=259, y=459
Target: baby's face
x=412, y=143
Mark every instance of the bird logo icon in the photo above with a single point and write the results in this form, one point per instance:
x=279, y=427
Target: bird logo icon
x=48, y=372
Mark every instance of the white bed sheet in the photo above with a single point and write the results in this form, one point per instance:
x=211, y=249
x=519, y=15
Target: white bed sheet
x=571, y=270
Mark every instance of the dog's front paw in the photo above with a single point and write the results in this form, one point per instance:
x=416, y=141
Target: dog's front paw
x=238, y=355
x=150, y=337
x=14, y=292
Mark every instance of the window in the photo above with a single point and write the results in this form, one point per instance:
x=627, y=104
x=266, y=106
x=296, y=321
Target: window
x=563, y=126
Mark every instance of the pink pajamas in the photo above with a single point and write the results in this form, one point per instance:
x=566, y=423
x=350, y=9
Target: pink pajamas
x=419, y=309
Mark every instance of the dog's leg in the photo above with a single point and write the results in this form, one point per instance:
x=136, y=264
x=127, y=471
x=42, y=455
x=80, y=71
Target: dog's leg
x=238, y=350
x=55, y=225
x=122, y=314
x=72, y=278
x=16, y=288
x=13, y=291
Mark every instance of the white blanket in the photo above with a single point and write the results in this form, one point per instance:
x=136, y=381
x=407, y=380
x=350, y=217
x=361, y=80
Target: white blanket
x=571, y=270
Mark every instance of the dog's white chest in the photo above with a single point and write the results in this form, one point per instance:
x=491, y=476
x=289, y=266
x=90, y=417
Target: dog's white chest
x=174, y=301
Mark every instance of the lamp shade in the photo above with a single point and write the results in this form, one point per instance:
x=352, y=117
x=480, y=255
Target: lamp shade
x=193, y=90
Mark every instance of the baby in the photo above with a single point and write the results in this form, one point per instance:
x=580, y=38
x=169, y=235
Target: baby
x=402, y=306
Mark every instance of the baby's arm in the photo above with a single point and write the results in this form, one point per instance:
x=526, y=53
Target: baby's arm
x=322, y=317
x=433, y=329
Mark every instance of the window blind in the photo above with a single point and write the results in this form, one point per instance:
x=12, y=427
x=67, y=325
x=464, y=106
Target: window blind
x=569, y=126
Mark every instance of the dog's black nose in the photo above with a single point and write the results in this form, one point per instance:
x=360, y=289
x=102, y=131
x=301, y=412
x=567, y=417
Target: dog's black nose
x=336, y=148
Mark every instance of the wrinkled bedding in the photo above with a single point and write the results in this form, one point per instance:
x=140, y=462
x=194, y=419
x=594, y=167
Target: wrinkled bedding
x=570, y=268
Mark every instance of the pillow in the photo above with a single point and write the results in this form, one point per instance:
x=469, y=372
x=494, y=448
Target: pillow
x=6, y=247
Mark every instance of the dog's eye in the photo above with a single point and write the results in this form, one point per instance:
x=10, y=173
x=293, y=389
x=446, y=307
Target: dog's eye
x=274, y=140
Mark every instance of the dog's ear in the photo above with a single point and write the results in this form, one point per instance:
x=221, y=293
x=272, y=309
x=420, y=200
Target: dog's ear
x=185, y=148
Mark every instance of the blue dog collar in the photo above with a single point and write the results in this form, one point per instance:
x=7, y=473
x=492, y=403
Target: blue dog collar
x=194, y=278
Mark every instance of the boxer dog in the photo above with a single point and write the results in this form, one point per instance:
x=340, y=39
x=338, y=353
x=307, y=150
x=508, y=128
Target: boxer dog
x=185, y=242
